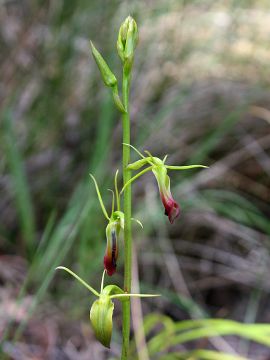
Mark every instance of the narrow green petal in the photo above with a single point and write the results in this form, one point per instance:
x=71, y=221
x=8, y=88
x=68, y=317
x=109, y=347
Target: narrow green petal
x=120, y=296
x=135, y=177
x=138, y=222
x=116, y=190
x=102, y=281
x=79, y=279
x=165, y=158
x=100, y=198
x=113, y=200
x=185, y=167
x=137, y=151
x=149, y=154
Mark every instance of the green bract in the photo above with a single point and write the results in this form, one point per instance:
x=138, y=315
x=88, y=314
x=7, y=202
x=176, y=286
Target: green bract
x=107, y=75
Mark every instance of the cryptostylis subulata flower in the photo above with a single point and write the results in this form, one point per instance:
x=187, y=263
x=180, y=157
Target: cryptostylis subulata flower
x=160, y=169
x=113, y=229
x=115, y=225
x=172, y=209
x=101, y=311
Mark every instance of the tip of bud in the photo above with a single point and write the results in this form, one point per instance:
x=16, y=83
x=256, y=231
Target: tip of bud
x=127, y=39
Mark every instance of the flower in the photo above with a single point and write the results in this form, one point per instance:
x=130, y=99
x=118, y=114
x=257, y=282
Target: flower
x=159, y=169
x=101, y=314
x=101, y=311
x=172, y=209
x=115, y=224
x=111, y=254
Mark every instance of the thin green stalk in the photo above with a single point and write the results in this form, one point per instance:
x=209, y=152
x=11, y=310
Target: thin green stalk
x=127, y=212
x=126, y=44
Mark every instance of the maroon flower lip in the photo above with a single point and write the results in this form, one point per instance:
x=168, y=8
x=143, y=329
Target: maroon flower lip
x=111, y=254
x=110, y=265
x=172, y=209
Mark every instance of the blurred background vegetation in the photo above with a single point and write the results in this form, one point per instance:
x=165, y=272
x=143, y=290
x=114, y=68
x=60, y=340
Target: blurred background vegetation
x=200, y=93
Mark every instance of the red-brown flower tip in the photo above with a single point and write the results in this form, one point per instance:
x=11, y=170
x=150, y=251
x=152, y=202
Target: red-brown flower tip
x=111, y=253
x=110, y=265
x=172, y=209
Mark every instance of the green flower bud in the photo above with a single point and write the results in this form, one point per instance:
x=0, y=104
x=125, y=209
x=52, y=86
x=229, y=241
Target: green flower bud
x=101, y=319
x=127, y=40
x=107, y=75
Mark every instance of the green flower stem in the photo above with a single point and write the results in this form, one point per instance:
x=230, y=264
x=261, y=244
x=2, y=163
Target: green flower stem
x=127, y=212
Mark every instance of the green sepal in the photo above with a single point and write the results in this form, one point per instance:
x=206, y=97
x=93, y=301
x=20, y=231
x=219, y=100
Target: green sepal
x=101, y=313
x=136, y=177
x=92, y=290
x=185, y=167
x=107, y=75
x=100, y=198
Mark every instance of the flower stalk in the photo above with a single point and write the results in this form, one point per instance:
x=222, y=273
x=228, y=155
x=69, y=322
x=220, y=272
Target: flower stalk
x=127, y=212
x=126, y=44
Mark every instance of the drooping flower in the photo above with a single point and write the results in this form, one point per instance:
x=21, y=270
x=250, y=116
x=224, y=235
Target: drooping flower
x=115, y=224
x=101, y=311
x=159, y=169
x=111, y=253
x=172, y=209
x=113, y=229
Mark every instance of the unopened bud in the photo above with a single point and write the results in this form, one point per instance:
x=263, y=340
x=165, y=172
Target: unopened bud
x=107, y=75
x=127, y=40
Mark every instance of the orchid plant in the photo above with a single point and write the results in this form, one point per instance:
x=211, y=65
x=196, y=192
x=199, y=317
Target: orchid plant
x=119, y=221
